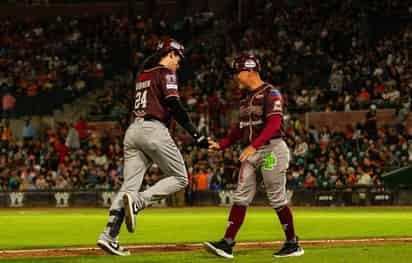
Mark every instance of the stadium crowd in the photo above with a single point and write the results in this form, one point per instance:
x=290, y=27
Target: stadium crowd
x=74, y=156
x=51, y=61
x=325, y=58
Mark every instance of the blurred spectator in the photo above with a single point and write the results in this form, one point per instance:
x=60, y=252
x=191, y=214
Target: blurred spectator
x=310, y=180
x=8, y=105
x=301, y=148
x=364, y=179
x=291, y=182
x=28, y=131
x=72, y=139
x=61, y=183
x=82, y=128
x=5, y=132
x=201, y=180
x=351, y=178
x=370, y=123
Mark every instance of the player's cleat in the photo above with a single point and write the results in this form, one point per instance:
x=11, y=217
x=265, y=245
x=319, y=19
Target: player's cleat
x=290, y=249
x=129, y=210
x=220, y=248
x=113, y=247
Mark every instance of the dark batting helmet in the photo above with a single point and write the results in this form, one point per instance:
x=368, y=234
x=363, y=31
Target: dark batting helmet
x=170, y=44
x=245, y=63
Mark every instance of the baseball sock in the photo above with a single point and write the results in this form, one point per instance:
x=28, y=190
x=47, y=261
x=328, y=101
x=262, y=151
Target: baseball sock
x=236, y=217
x=115, y=222
x=286, y=219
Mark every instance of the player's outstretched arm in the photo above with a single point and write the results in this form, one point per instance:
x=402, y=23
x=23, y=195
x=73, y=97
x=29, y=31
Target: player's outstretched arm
x=232, y=137
x=181, y=116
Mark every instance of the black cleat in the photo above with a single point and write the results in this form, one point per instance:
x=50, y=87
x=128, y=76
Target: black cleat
x=112, y=247
x=290, y=249
x=220, y=248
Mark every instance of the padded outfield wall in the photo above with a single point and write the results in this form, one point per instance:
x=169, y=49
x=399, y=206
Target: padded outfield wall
x=345, y=196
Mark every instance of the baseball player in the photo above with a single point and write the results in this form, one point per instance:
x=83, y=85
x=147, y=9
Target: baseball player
x=260, y=132
x=147, y=141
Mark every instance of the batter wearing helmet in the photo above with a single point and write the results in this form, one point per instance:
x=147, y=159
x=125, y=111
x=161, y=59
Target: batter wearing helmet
x=147, y=141
x=260, y=131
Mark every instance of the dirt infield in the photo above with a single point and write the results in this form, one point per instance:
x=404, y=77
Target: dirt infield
x=92, y=251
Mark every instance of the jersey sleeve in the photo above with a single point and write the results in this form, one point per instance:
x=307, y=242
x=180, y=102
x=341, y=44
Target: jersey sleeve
x=168, y=84
x=273, y=103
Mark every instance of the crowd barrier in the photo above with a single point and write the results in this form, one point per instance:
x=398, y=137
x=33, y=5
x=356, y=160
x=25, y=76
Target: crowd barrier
x=346, y=196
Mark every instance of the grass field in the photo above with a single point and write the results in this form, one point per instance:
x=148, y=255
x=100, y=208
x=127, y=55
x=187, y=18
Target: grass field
x=23, y=229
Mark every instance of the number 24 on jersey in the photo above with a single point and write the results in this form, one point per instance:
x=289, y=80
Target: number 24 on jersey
x=141, y=99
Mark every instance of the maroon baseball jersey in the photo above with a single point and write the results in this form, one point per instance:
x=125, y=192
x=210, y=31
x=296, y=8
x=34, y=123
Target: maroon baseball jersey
x=153, y=87
x=255, y=108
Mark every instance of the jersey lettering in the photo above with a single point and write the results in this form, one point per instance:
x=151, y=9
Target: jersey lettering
x=142, y=85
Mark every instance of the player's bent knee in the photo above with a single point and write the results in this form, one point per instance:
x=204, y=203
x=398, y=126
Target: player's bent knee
x=279, y=208
x=278, y=204
x=241, y=201
x=185, y=183
x=182, y=181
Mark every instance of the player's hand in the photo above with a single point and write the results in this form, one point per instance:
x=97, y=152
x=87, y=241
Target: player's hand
x=202, y=142
x=213, y=145
x=249, y=151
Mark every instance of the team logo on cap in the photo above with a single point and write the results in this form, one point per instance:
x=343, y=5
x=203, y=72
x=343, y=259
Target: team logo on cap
x=250, y=63
x=171, y=45
x=176, y=45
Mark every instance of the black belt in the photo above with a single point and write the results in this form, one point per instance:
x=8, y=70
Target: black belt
x=243, y=145
x=150, y=118
x=271, y=140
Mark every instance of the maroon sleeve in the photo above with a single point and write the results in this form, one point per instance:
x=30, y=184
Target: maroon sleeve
x=233, y=136
x=168, y=84
x=273, y=123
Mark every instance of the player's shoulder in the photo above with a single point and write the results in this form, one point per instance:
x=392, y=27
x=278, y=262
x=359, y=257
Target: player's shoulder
x=270, y=86
x=273, y=90
x=160, y=70
x=162, y=74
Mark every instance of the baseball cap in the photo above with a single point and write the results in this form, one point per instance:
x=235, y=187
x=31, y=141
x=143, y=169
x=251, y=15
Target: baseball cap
x=169, y=45
x=245, y=63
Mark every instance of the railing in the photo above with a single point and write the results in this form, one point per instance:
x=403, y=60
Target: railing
x=344, y=196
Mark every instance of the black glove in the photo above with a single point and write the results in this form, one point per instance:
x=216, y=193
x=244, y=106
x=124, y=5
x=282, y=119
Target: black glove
x=201, y=141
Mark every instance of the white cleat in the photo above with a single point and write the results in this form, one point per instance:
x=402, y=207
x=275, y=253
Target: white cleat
x=129, y=217
x=113, y=248
x=220, y=248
